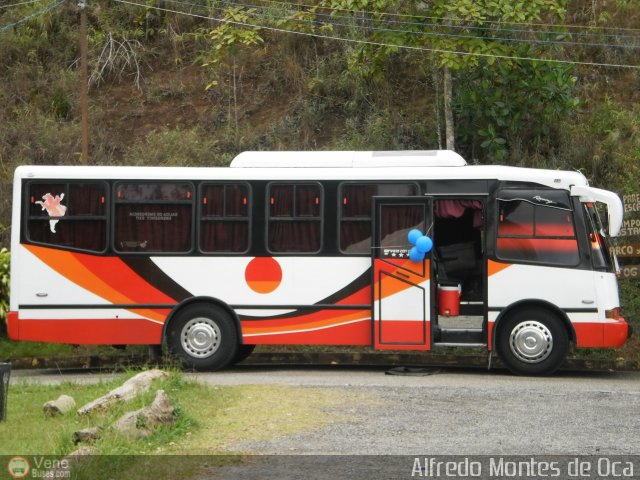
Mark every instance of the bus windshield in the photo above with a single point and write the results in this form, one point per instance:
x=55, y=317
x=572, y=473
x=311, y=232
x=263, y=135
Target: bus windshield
x=601, y=252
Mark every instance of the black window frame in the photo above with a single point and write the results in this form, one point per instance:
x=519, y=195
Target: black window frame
x=303, y=218
x=368, y=219
x=602, y=260
x=105, y=217
x=200, y=217
x=116, y=201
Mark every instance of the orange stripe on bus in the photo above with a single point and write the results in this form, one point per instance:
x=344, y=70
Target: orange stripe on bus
x=119, y=275
x=107, y=277
x=401, y=285
x=317, y=320
x=495, y=267
x=157, y=315
x=67, y=265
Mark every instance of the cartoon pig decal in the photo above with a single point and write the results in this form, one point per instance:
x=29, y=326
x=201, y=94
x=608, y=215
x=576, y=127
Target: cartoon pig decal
x=53, y=207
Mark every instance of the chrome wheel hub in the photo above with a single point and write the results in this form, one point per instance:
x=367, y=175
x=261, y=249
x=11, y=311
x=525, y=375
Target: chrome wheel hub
x=531, y=341
x=200, y=337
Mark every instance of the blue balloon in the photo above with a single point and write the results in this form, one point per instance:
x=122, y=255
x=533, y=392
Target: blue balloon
x=416, y=255
x=414, y=235
x=424, y=244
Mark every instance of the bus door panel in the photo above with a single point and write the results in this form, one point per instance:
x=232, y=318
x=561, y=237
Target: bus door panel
x=401, y=286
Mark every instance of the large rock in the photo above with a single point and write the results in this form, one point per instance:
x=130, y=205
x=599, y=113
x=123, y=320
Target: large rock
x=128, y=390
x=60, y=406
x=143, y=422
x=86, y=435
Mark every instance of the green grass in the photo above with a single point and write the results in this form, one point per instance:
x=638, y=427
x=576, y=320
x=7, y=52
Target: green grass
x=10, y=350
x=211, y=422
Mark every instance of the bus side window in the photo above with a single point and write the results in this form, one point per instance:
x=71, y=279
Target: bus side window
x=355, y=211
x=295, y=213
x=153, y=217
x=224, y=220
x=536, y=233
x=68, y=215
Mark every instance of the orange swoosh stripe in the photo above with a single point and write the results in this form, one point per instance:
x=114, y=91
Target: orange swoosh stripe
x=495, y=267
x=106, y=277
x=261, y=328
x=157, y=315
x=396, y=287
x=66, y=264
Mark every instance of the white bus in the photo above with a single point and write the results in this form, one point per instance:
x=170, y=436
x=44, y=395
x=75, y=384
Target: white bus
x=316, y=248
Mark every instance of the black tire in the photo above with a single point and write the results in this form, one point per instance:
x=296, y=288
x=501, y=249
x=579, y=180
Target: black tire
x=243, y=352
x=203, y=337
x=532, y=341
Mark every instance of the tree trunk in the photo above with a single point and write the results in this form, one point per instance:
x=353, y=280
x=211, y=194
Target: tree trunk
x=436, y=82
x=235, y=103
x=448, y=109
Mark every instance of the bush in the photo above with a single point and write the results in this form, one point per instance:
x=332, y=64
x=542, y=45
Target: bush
x=4, y=290
x=187, y=147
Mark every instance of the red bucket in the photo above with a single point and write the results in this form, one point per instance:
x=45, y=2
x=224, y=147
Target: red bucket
x=449, y=300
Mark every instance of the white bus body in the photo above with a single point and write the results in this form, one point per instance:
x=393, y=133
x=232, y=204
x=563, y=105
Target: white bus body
x=312, y=248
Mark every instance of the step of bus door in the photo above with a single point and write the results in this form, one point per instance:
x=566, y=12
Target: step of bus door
x=471, y=337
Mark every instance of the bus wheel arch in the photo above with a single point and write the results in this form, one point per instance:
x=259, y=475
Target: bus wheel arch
x=203, y=333
x=532, y=338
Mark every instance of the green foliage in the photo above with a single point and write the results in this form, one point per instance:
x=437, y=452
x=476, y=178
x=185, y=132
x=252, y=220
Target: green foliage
x=603, y=142
x=11, y=350
x=5, y=266
x=179, y=147
x=510, y=103
x=517, y=11
x=229, y=39
x=385, y=130
x=630, y=302
x=355, y=5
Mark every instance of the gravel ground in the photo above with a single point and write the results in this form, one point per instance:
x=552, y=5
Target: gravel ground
x=463, y=413
x=477, y=416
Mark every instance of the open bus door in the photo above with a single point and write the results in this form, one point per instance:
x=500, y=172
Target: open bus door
x=401, y=287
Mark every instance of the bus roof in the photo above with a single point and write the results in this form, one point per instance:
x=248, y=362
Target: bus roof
x=366, y=166
x=349, y=159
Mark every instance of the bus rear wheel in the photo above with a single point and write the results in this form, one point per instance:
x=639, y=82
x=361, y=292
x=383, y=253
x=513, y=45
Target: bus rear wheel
x=203, y=337
x=532, y=341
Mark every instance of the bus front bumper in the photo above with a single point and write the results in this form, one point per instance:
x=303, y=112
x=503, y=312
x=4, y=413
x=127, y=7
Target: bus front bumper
x=616, y=332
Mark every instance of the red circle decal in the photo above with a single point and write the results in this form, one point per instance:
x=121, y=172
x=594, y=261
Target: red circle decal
x=263, y=274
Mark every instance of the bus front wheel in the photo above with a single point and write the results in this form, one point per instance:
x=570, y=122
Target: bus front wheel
x=532, y=341
x=203, y=337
